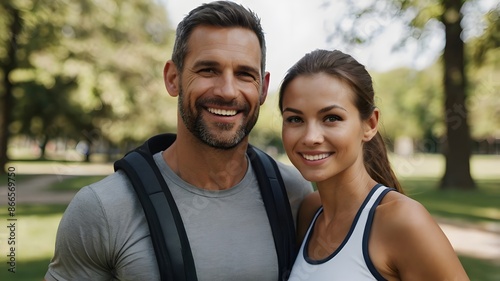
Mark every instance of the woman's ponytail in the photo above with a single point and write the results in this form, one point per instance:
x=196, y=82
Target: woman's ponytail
x=377, y=163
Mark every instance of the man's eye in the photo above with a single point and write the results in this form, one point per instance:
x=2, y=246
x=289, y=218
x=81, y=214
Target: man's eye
x=207, y=70
x=246, y=75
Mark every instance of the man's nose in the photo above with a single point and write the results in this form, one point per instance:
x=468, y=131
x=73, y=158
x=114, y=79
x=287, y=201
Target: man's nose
x=226, y=86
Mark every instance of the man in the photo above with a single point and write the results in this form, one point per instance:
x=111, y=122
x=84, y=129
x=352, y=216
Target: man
x=218, y=73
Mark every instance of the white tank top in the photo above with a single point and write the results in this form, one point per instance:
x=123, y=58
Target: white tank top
x=351, y=260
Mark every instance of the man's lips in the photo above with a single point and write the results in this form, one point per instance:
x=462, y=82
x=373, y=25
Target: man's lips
x=222, y=112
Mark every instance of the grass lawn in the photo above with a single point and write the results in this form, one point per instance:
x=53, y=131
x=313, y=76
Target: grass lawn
x=37, y=224
x=481, y=270
x=477, y=206
x=4, y=179
x=75, y=183
x=36, y=228
x=481, y=205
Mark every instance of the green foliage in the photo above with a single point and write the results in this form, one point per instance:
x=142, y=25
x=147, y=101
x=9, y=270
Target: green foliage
x=483, y=102
x=90, y=66
x=410, y=102
x=267, y=131
x=489, y=41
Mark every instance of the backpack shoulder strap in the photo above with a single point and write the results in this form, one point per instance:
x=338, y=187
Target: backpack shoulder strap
x=277, y=206
x=170, y=242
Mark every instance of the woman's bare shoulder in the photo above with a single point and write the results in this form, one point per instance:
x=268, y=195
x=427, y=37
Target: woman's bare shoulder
x=413, y=242
x=399, y=215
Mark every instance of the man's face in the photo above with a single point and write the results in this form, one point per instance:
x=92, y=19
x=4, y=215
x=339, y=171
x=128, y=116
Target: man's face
x=221, y=86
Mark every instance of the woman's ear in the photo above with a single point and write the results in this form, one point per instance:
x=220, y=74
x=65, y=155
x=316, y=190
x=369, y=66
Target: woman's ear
x=171, y=78
x=371, y=126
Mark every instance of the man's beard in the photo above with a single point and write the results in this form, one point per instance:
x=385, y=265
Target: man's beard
x=196, y=125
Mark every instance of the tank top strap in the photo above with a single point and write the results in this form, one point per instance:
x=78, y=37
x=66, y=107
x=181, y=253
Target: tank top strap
x=368, y=227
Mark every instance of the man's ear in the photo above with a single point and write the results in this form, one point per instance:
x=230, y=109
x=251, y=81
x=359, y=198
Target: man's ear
x=265, y=87
x=371, y=126
x=171, y=78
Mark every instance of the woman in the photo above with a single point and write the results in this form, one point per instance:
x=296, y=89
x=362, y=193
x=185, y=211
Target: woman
x=366, y=229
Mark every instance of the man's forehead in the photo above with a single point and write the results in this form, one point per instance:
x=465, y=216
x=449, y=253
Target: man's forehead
x=231, y=43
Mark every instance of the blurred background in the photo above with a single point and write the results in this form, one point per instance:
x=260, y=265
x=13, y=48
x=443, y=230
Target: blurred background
x=81, y=84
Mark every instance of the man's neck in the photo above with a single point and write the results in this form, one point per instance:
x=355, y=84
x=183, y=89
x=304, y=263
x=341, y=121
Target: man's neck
x=206, y=167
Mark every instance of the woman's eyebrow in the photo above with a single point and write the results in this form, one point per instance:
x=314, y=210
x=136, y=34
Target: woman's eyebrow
x=328, y=108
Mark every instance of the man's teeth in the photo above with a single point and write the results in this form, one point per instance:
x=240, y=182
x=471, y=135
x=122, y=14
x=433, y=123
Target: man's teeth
x=315, y=157
x=223, y=112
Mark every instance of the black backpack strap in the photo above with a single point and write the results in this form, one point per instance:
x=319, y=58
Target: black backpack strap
x=170, y=242
x=278, y=209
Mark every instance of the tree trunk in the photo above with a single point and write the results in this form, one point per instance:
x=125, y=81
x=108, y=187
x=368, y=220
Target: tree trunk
x=458, y=144
x=6, y=95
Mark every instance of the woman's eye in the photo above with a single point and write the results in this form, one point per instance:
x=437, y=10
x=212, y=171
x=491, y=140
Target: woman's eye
x=293, y=119
x=332, y=118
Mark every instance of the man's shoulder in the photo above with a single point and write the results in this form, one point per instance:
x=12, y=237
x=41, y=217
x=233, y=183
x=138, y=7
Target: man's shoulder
x=293, y=180
x=290, y=173
x=113, y=185
x=112, y=191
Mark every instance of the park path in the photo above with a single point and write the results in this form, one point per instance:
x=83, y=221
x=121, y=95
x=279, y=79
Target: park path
x=474, y=240
x=35, y=191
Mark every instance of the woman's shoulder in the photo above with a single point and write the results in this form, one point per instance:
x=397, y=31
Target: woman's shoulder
x=398, y=213
x=407, y=238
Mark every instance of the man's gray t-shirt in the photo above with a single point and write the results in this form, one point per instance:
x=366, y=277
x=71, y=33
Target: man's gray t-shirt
x=104, y=235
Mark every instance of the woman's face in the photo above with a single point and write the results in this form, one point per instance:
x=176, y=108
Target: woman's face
x=323, y=133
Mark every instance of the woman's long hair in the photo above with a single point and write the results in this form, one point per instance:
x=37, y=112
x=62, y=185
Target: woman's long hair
x=354, y=74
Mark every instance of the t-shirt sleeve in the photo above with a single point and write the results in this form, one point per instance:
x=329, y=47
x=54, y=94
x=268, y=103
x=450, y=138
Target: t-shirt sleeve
x=296, y=186
x=82, y=243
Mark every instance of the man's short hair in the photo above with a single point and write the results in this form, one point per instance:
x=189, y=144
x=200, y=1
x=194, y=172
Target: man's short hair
x=218, y=14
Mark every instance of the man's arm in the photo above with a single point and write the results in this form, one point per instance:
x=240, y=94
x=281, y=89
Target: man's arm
x=307, y=210
x=81, y=249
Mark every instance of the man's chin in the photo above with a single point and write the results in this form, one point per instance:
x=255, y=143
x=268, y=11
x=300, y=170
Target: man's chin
x=223, y=141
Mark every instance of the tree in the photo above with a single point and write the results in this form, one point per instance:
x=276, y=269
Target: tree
x=417, y=95
x=116, y=52
x=84, y=69
x=421, y=18
x=13, y=23
x=458, y=150
x=485, y=55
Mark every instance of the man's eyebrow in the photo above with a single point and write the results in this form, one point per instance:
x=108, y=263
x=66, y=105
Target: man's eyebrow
x=205, y=63
x=212, y=63
x=250, y=69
